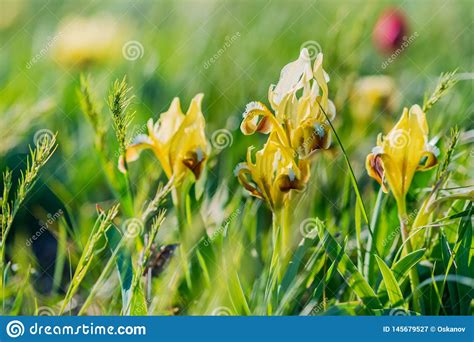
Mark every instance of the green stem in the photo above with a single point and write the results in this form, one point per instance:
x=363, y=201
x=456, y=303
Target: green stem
x=178, y=202
x=281, y=255
x=413, y=275
x=286, y=237
x=129, y=191
x=108, y=267
x=371, y=243
x=275, y=265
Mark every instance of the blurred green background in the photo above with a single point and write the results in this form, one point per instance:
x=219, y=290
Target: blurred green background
x=229, y=50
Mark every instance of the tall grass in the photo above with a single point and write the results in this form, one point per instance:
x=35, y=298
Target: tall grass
x=127, y=246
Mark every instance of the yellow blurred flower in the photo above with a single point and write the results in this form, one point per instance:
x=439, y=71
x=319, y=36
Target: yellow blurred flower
x=297, y=101
x=83, y=40
x=373, y=93
x=274, y=173
x=11, y=11
x=178, y=140
x=402, y=152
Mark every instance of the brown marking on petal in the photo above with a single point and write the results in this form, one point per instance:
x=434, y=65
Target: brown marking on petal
x=192, y=162
x=285, y=184
x=374, y=165
x=378, y=166
x=264, y=126
x=309, y=139
x=243, y=179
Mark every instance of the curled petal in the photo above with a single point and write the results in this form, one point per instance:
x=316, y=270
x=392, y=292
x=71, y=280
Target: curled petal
x=428, y=161
x=256, y=119
x=243, y=172
x=374, y=166
x=140, y=143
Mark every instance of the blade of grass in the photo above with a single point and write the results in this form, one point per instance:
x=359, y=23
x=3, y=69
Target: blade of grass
x=102, y=224
x=462, y=260
x=349, y=272
x=394, y=293
x=401, y=268
x=351, y=171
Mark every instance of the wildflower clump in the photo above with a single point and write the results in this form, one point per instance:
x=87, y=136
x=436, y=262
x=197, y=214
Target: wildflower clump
x=297, y=129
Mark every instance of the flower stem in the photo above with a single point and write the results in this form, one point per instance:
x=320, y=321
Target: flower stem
x=413, y=275
x=178, y=202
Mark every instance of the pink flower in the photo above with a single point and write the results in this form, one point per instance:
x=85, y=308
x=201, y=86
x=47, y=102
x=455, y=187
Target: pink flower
x=390, y=30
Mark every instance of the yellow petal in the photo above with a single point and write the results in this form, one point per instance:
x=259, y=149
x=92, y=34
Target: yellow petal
x=256, y=119
x=169, y=122
x=242, y=171
x=310, y=137
x=188, y=146
x=140, y=143
x=322, y=79
x=293, y=77
x=374, y=166
x=401, y=152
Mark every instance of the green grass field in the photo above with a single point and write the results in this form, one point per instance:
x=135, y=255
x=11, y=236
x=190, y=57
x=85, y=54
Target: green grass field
x=192, y=226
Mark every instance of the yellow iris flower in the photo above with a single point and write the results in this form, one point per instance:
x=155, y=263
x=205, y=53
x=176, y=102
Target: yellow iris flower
x=274, y=172
x=402, y=152
x=177, y=140
x=297, y=130
x=298, y=120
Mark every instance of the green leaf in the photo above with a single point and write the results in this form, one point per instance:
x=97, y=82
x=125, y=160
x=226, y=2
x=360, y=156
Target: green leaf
x=401, y=267
x=400, y=270
x=394, y=293
x=349, y=272
x=138, y=305
x=237, y=294
x=462, y=260
x=448, y=260
x=295, y=263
